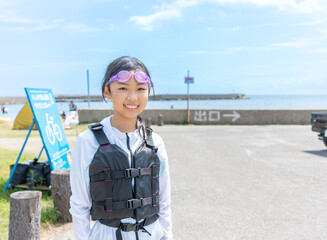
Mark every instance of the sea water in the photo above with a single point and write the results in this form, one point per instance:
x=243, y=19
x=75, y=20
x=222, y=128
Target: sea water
x=260, y=102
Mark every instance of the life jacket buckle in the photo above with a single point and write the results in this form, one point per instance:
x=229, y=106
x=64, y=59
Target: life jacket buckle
x=132, y=172
x=127, y=227
x=134, y=203
x=95, y=126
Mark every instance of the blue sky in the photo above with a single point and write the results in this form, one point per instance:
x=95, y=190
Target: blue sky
x=229, y=46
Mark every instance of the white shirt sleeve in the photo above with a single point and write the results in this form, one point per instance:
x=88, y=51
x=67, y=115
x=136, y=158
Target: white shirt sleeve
x=80, y=201
x=164, y=196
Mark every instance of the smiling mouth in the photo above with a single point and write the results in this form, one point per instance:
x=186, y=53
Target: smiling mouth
x=131, y=106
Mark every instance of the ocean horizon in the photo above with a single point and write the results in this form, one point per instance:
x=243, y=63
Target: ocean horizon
x=253, y=102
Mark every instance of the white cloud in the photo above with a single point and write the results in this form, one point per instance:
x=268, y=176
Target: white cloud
x=301, y=43
x=175, y=9
x=78, y=28
x=107, y=1
x=19, y=20
x=70, y=27
x=209, y=52
x=4, y=3
x=166, y=12
x=236, y=28
x=233, y=50
x=102, y=20
x=322, y=50
x=303, y=6
x=241, y=49
x=317, y=22
x=295, y=44
x=103, y=50
x=58, y=20
x=36, y=28
x=22, y=24
x=112, y=27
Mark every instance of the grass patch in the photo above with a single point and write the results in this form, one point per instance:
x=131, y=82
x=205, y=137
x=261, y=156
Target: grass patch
x=6, y=131
x=49, y=214
x=7, y=157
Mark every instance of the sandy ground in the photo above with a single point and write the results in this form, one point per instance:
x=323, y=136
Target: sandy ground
x=33, y=145
x=240, y=182
x=58, y=232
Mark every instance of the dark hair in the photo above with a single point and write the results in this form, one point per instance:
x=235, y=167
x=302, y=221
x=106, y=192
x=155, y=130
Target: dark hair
x=122, y=63
x=126, y=63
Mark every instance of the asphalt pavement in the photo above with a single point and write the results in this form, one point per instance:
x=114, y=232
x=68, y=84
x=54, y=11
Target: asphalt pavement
x=247, y=182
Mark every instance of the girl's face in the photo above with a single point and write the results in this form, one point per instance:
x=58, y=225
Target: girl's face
x=129, y=98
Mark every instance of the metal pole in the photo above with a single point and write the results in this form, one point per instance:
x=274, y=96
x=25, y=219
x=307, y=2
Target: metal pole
x=40, y=153
x=188, y=99
x=88, y=87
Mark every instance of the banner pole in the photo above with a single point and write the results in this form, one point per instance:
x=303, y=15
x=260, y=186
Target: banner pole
x=19, y=155
x=41, y=153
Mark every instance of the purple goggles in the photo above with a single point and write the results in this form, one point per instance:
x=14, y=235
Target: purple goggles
x=124, y=75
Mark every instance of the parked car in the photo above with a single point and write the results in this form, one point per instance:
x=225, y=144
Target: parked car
x=319, y=124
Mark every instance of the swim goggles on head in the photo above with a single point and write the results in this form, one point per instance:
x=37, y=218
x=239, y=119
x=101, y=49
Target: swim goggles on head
x=124, y=75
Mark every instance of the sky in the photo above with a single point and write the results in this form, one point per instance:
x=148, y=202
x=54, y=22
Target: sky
x=229, y=46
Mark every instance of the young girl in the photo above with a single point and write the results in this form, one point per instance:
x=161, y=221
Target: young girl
x=119, y=173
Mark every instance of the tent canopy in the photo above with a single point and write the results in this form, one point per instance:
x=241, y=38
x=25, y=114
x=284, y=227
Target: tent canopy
x=24, y=118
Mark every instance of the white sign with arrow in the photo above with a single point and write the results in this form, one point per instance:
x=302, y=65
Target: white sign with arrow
x=213, y=116
x=235, y=116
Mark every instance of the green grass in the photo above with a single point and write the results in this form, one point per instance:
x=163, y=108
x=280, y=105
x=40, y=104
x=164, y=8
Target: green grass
x=7, y=157
x=6, y=131
x=49, y=214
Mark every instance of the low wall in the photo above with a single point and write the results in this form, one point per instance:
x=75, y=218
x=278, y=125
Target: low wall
x=212, y=117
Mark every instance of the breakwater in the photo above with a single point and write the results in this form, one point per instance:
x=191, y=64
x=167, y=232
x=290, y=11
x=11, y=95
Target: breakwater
x=212, y=116
x=157, y=97
x=98, y=98
x=166, y=97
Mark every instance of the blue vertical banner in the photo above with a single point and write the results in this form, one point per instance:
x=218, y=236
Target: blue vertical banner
x=46, y=115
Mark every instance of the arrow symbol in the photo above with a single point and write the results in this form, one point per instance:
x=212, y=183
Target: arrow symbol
x=235, y=116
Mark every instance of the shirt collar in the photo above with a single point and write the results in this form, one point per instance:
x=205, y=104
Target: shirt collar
x=132, y=135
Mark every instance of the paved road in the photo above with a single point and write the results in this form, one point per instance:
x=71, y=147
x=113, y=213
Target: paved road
x=245, y=182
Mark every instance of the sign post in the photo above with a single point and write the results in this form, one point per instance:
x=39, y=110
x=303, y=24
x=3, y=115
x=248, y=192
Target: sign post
x=188, y=80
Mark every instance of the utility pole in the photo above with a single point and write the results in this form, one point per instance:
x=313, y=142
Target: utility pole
x=88, y=87
x=188, y=80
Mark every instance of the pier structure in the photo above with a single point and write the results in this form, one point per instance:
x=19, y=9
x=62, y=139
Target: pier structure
x=157, y=97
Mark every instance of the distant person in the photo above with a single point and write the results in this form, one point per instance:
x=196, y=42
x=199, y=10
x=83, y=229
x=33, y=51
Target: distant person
x=63, y=115
x=72, y=106
x=120, y=173
x=3, y=109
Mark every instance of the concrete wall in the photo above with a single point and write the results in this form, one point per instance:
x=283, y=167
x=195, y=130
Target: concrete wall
x=213, y=116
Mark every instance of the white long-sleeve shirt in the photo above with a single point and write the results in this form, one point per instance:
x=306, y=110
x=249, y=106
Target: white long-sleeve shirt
x=80, y=201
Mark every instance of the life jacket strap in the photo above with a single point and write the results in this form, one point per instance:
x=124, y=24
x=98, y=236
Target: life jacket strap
x=127, y=227
x=97, y=129
x=131, y=203
x=128, y=173
x=148, y=138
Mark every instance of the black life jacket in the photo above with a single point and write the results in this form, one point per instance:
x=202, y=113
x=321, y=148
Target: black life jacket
x=113, y=196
